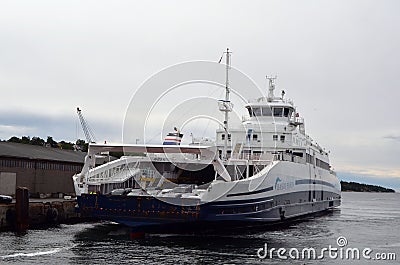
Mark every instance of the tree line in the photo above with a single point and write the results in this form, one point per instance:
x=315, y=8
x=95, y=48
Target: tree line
x=50, y=142
x=354, y=186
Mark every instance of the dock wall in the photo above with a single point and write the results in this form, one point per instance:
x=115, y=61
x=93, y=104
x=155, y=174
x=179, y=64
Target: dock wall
x=41, y=213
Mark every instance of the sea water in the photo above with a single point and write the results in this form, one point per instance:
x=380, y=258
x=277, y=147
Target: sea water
x=364, y=221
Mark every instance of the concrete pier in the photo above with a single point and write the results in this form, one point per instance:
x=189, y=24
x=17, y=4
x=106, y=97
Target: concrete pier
x=42, y=212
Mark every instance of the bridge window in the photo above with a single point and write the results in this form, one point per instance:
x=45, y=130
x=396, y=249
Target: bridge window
x=223, y=137
x=275, y=137
x=256, y=112
x=287, y=112
x=282, y=138
x=262, y=111
x=278, y=112
x=266, y=111
x=255, y=136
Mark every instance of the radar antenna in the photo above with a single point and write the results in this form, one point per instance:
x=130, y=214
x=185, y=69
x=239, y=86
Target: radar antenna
x=271, y=87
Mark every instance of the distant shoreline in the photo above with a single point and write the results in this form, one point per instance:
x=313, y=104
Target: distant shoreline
x=359, y=187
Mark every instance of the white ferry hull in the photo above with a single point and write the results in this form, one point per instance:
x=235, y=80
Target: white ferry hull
x=276, y=194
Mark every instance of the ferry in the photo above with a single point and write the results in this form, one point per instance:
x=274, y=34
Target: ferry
x=269, y=172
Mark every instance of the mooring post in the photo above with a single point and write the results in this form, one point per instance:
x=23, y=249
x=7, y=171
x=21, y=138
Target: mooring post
x=22, y=209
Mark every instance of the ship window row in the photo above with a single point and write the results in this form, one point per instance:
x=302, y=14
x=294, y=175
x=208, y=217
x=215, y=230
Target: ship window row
x=223, y=136
x=39, y=165
x=275, y=137
x=318, y=162
x=267, y=111
x=249, y=136
x=322, y=164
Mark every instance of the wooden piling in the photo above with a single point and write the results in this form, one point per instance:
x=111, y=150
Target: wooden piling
x=22, y=209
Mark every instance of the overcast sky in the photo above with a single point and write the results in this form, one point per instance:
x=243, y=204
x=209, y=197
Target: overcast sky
x=338, y=60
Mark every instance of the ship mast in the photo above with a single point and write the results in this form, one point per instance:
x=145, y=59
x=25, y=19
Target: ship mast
x=227, y=106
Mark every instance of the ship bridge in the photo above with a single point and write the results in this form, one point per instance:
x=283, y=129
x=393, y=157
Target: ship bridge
x=272, y=109
x=272, y=125
x=264, y=110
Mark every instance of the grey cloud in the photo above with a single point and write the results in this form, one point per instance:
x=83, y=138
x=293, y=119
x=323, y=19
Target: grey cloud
x=392, y=137
x=338, y=60
x=60, y=127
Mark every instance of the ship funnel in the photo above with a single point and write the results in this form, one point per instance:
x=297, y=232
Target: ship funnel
x=173, y=138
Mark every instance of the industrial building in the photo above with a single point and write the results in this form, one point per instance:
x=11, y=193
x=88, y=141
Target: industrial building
x=43, y=170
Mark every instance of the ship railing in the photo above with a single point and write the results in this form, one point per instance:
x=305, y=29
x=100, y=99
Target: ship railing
x=265, y=99
x=113, y=165
x=178, y=157
x=247, y=156
x=239, y=168
x=263, y=158
x=296, y=120
x=257, y=167
x=120, y=172
x=121, y=176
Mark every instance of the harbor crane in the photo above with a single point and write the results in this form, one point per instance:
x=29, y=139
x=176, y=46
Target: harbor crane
x=90, y=138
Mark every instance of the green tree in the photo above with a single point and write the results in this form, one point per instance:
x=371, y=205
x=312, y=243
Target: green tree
x=82, y=145
x=37, y=141
x=66, y=145
x=26, y=140
x=51, y=142
x=14, y=139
